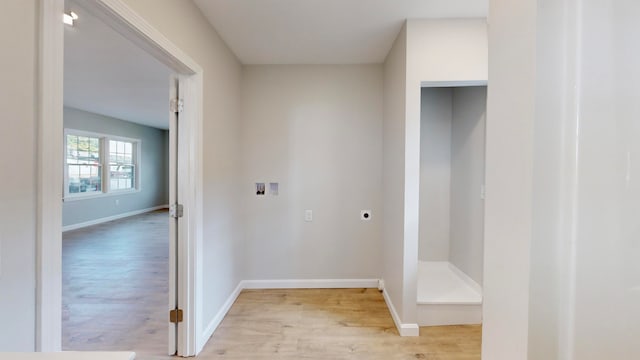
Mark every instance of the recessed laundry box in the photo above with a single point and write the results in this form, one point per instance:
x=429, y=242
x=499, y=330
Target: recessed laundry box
x=452, y=164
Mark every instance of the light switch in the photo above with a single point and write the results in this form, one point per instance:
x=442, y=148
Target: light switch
x=308, y=215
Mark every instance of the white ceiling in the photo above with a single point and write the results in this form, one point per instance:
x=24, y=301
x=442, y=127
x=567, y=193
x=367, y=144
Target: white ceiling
x=107, y=74
x=104, y=73
x=322, y=31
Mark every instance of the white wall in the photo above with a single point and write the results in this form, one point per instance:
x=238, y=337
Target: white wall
x=508, y=203
x=317, y=131
x=447, y=50
x=183, y=23
x=583, y=292
x=435, y=173
x=393, y=171
x=553, y=169
x=425, y=51
x=607, y=238
x=18, y=164
x=466, y=241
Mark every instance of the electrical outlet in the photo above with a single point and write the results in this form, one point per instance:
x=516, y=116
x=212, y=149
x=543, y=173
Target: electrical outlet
x=365, y=215
x=308, y=215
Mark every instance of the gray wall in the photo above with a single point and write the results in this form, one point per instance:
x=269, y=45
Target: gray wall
x=435, y=173
x=317, y=130
x=451, y=175
x=467, y=176
x=154, y=166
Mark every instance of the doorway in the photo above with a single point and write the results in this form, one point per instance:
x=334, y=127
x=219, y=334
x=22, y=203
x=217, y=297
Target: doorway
x=115, y=241
x=184, y=289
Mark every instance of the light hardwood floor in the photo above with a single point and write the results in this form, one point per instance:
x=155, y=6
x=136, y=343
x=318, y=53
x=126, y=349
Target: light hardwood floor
x=329, y=324
x=115, y=285
x=115, y=296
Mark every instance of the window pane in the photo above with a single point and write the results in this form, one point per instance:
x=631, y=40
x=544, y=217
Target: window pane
x=83, y=164
x=122, y=177
x=121, y=152
x=112, y=152
x=83, y=143
x=84, y=178
x=74, y=179
x=72, y=149
x=95, y=145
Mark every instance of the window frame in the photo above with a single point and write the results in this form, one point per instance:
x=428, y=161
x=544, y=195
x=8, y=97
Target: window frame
x=104, y=164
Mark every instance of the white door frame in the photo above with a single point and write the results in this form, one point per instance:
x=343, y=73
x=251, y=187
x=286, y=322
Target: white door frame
x=49, y=186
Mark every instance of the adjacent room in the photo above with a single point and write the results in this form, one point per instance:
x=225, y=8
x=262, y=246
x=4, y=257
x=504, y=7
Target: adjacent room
x=115, y=241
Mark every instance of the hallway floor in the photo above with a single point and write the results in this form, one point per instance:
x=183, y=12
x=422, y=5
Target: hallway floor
x=115, y=285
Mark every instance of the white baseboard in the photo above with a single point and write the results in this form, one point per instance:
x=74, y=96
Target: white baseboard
x=215, y=322
x=111, y=218
x=310, y=284
x=403, y=329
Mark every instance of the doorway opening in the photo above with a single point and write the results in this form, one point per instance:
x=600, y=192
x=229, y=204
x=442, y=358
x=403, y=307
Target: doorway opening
x=125, y=175
x=115, y=221
x=452, y=167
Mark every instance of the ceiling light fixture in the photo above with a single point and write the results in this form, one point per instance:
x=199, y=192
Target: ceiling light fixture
x=69, y=18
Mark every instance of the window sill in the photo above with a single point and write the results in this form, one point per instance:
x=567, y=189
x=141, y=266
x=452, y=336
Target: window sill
x=99, y=195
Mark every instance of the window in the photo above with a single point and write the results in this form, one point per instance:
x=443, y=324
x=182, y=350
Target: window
x=87, y=155
x=121, y=165
x=84, y=165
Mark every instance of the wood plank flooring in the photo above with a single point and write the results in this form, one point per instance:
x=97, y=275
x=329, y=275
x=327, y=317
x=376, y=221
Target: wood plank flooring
x=115, y=285
x=329, y=324
x=115, y=295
